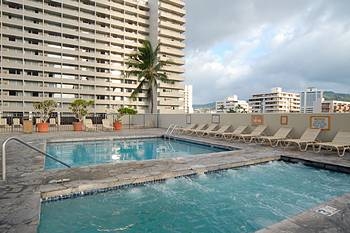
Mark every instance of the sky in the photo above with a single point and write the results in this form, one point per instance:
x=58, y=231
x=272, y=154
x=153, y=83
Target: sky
x=241, y=47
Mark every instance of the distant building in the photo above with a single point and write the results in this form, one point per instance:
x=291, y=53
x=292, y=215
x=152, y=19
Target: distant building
x=275, y=101
x=188, y=98
x=232, y=104
x=310, y=100
x=335, y=106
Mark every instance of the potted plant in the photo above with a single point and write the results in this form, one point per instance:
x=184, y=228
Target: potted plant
x=44, y=108
x=120, y=113
x=80, y=108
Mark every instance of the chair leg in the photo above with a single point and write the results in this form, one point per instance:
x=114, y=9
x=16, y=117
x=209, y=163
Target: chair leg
x=343, y=152
x=306, y=146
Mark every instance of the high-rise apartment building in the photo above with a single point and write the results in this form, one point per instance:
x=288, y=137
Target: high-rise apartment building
x=232, y=104
x=188, y=94
x=70, y=49
x=275, y=101
x=310, y=100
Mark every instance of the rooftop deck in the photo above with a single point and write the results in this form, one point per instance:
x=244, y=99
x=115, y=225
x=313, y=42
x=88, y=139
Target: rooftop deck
x=27, y=182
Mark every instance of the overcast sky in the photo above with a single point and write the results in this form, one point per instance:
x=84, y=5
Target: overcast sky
x=245, y=46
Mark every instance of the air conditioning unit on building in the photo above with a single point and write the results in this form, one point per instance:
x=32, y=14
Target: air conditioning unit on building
x=5, y=93
x=5, y=82
x=5, y=104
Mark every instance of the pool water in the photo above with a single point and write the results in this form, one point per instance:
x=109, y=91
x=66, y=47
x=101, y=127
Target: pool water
x=96, y=152
x=237, y=200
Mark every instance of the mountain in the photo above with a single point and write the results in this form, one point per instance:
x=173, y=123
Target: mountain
x=207, y=106
x=330, y=95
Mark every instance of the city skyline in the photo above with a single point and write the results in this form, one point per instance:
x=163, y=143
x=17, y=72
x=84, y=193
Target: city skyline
x=251, y=46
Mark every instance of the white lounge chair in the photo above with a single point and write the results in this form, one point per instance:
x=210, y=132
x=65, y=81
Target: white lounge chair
x=88, y=125
x=180, y=130
x=210, y=128
x=52, y=122
x=233, y=135
x=341, y=142
x=308, y=138
x=107, y=125
x=220, y=131
x=199, y=127
x=16, y=123
x=249, y=137
x=3, y=123
x=282, y=133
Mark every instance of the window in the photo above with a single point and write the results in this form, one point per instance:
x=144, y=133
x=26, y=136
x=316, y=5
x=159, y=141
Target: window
x=12, y=38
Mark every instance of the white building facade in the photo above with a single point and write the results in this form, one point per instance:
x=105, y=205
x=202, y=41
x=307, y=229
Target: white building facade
x=311, y=100
x=64, y=50
x=188, y=94
x=233, y=105
x=276, y=101
x=335, y=106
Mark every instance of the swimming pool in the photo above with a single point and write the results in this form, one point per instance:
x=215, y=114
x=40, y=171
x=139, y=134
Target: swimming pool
x=84, y=153
x=236, y=200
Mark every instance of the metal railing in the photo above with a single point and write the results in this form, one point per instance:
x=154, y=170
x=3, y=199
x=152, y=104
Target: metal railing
x=170, y=130
x=26, y=144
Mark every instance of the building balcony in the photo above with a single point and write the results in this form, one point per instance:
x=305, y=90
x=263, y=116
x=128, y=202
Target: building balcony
x=172, y=17
x=174, y=69
x=172, y=26
x=178, y=9
x=171, y=34
x=176, y=94
x=171, y=42
x=172, y=51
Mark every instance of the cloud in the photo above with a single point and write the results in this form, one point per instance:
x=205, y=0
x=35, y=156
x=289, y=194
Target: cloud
x=243, y=47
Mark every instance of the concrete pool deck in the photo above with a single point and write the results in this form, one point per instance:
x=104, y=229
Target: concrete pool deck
x=27, y=182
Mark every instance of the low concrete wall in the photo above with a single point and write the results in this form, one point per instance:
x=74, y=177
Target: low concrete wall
x=299, y=122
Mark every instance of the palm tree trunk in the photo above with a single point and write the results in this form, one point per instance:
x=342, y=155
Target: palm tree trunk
x=152, y=107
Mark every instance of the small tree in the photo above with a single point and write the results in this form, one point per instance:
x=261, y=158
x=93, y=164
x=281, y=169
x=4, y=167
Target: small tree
x=45, y=108
x=80, y=108
x=125, y=111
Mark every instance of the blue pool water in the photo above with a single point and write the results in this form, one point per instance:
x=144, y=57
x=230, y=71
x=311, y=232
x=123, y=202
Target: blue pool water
x=237, y=200
x=96, y=152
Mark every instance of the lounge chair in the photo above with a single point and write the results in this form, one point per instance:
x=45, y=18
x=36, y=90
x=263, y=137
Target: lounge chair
x=249, y=137
x=281, y=134
x=232, y=135
x=220, y=131
x=341, y=142
x=16, y=123
x=52, y=122
x=88, y=125
x=308, y=138
x=3, y=123
x=199, y=127
x=107, y=125
x=210, y=128
x=181, y=130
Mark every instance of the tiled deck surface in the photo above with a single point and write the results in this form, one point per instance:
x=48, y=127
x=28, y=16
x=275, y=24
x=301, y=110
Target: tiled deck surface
x=27, y=182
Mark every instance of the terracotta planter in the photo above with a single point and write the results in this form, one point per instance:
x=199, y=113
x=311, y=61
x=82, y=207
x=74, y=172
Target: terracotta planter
x=42, y=127
x=117, y=125
x=78, y=126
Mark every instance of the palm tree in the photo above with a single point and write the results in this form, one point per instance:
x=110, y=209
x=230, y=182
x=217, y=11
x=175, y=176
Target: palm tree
x=146, y=66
